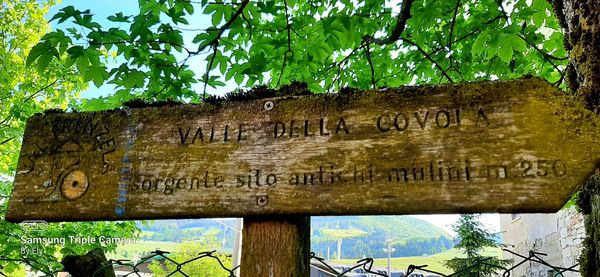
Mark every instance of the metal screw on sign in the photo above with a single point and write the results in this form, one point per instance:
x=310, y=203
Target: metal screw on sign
x=262, y=200
x=269, y=105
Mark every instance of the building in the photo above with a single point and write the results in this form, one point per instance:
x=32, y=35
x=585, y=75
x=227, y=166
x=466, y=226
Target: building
x=560, y=236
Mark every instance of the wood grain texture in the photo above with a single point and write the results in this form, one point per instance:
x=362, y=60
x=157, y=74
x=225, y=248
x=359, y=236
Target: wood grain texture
x=516, y=146
x=276, y=246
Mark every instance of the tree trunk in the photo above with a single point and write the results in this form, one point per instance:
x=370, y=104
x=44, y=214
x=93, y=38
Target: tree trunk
x=92, y=264
x=276, y=246
x=589, y=202
x=580, y=20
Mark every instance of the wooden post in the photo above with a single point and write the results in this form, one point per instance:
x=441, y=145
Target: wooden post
x=276, y=246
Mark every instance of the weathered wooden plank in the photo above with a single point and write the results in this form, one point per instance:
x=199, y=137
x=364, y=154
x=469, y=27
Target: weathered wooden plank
x=517, y=146
x=276, y=246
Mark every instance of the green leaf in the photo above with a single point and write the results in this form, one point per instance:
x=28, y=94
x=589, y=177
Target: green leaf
x=201, y=38
x=97, y=74
x=189, y=8
x=35, y=52
x=239, y=78
x=505, y=50
x=86, y=21
x=43, y=53
x=217, y=16
x=118, y=17
x=539, y=4
x=539, y=18
x=134, y=78
x=65, y=13
x=518, y=44
x=82, y=63
x=43, y=62
x=223, y=66
x=479, y=45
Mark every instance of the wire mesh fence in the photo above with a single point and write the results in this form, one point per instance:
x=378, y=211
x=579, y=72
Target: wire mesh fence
x=363, y=267
x=179, y=266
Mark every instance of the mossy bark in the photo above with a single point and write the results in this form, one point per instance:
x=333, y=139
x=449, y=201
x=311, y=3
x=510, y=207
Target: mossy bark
x=581, y=23
x=588, y=202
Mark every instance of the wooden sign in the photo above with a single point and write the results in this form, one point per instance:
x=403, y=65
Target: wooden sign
x=517, y=146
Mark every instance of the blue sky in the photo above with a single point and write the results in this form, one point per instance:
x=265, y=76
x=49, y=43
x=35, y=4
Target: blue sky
x=104, y=8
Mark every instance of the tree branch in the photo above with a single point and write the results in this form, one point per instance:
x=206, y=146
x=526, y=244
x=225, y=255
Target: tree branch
x=210, y=64
x=504, y=13
x=249, y=25
x=435, y=51
x=401, y=19
x=428, y=57
x=214, y=43
x=452, y=27
x=6, y=140
x=226, y=26
x=368, y=52
x=341, y=63
x=345, y=59
x=547, y=57
x=9, y=116
x=289, y=41
x=6, y=119
x=148, y=42
x=40, y=90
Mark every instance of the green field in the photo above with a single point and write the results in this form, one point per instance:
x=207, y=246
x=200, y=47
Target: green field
x=128, y=251
x=434, y=262
x=148, y=233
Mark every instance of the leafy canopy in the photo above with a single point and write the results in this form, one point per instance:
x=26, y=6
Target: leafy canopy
x=24, y=90
x=327, y=44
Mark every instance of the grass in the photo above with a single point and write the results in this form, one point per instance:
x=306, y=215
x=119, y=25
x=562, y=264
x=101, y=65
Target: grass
x=147, y=234
x=128, y=251
x=433, y=262
x=195, y=229
x=342, y=233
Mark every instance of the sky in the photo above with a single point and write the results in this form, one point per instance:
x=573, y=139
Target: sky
x=101, y=9
x=445, y=221
x=104, y=8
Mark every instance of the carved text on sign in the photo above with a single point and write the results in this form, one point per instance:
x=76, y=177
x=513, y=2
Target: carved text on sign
x=483, y=147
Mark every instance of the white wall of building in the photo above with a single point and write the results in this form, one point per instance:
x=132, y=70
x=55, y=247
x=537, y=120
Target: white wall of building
x=558, y=235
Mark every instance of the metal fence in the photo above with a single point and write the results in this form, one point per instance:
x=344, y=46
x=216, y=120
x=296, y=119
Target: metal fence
x=363, y=267
x=366, y=266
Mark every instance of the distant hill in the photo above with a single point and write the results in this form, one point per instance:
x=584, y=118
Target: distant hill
x=361, y=235
x=409, y=236
x=398, y=227
x=178, y=230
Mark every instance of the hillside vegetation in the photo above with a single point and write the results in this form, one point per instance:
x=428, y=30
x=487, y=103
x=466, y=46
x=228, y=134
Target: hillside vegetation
x=362, y=236
x=433, y=262
x=366, y=236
